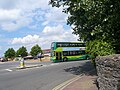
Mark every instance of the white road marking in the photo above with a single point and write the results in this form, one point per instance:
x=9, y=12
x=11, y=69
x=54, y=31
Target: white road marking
x=66, y=83
x=2, y=62
x=9, y=70
x=50, y=65
x=54, y=64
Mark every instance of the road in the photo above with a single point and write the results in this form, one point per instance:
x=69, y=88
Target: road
x=5, y=66
x=43, y=78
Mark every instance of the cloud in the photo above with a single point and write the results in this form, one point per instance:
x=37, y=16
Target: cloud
x=45, y=22
x=14, y=25
x=26, y=40
x=48, y=35
x=55, y=15
x=8, y=4
x=23, y=4
x=57, y=33
x=8, y=15
x=55, y=30
x=14, y=14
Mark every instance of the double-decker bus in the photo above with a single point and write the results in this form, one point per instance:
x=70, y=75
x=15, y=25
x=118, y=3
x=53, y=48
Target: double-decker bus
x=68, y=51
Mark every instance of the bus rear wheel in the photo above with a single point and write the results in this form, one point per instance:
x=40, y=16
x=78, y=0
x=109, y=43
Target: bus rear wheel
x=87, y=58
x=65, y=59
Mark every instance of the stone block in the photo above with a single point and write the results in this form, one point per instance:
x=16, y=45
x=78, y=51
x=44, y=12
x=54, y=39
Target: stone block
x=108, y=69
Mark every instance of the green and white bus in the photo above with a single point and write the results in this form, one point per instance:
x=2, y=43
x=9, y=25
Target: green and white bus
x=68, y=51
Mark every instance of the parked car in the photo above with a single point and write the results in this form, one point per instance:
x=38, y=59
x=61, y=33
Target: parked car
x=35, y=57
x=28, y=57
x=41, y=56
x=3, y=59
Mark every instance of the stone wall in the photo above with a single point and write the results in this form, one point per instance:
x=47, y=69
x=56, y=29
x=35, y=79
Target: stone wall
x=108, y=70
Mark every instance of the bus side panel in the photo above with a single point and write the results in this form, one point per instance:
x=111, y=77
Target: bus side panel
x=82, y=57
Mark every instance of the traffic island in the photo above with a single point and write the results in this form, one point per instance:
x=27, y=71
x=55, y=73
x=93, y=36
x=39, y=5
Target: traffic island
x=31, y=66
x=26, y=67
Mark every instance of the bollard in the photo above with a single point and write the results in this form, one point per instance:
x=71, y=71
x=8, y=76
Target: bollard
x=22, y=63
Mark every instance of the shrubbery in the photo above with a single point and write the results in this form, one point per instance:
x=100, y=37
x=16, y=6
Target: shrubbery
x=98, y=48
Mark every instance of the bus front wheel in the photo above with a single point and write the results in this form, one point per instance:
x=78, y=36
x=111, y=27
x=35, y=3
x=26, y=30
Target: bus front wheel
x=65, y=59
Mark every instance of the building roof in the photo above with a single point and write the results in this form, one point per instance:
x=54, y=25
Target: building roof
x=46, y=50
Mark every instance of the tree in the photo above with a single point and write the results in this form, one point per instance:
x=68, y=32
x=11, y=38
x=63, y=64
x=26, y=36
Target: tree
x=10, y=53
x=93, y=19
x=22, y=51
x=35, y=50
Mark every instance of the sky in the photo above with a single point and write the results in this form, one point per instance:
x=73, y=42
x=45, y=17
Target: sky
x=30, y=22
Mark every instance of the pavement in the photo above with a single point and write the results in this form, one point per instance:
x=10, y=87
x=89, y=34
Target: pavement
x=81, y=82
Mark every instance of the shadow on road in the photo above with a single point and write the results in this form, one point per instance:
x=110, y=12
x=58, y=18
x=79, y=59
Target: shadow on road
x=87, y=69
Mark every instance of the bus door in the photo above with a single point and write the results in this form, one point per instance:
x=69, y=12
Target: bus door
x=58, y=56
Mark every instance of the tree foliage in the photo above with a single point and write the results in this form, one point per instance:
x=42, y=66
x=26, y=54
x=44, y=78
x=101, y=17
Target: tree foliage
x=35, y=50
x=22, y=51
x=93, y=19
x=99, y=48
x=10, y=53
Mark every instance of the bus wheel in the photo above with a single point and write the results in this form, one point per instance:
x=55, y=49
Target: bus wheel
x=65, y=59
x=87, y=58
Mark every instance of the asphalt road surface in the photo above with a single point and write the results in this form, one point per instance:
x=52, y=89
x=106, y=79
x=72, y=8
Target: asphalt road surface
x=5, y=66
x=45, y=77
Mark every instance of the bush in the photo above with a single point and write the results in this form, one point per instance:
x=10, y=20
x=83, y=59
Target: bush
x=98, y=48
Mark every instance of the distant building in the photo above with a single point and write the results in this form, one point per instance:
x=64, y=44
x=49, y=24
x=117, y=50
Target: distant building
x=46, y=52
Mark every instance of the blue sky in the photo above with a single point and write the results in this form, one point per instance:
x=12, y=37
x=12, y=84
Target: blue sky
x=30, y=22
